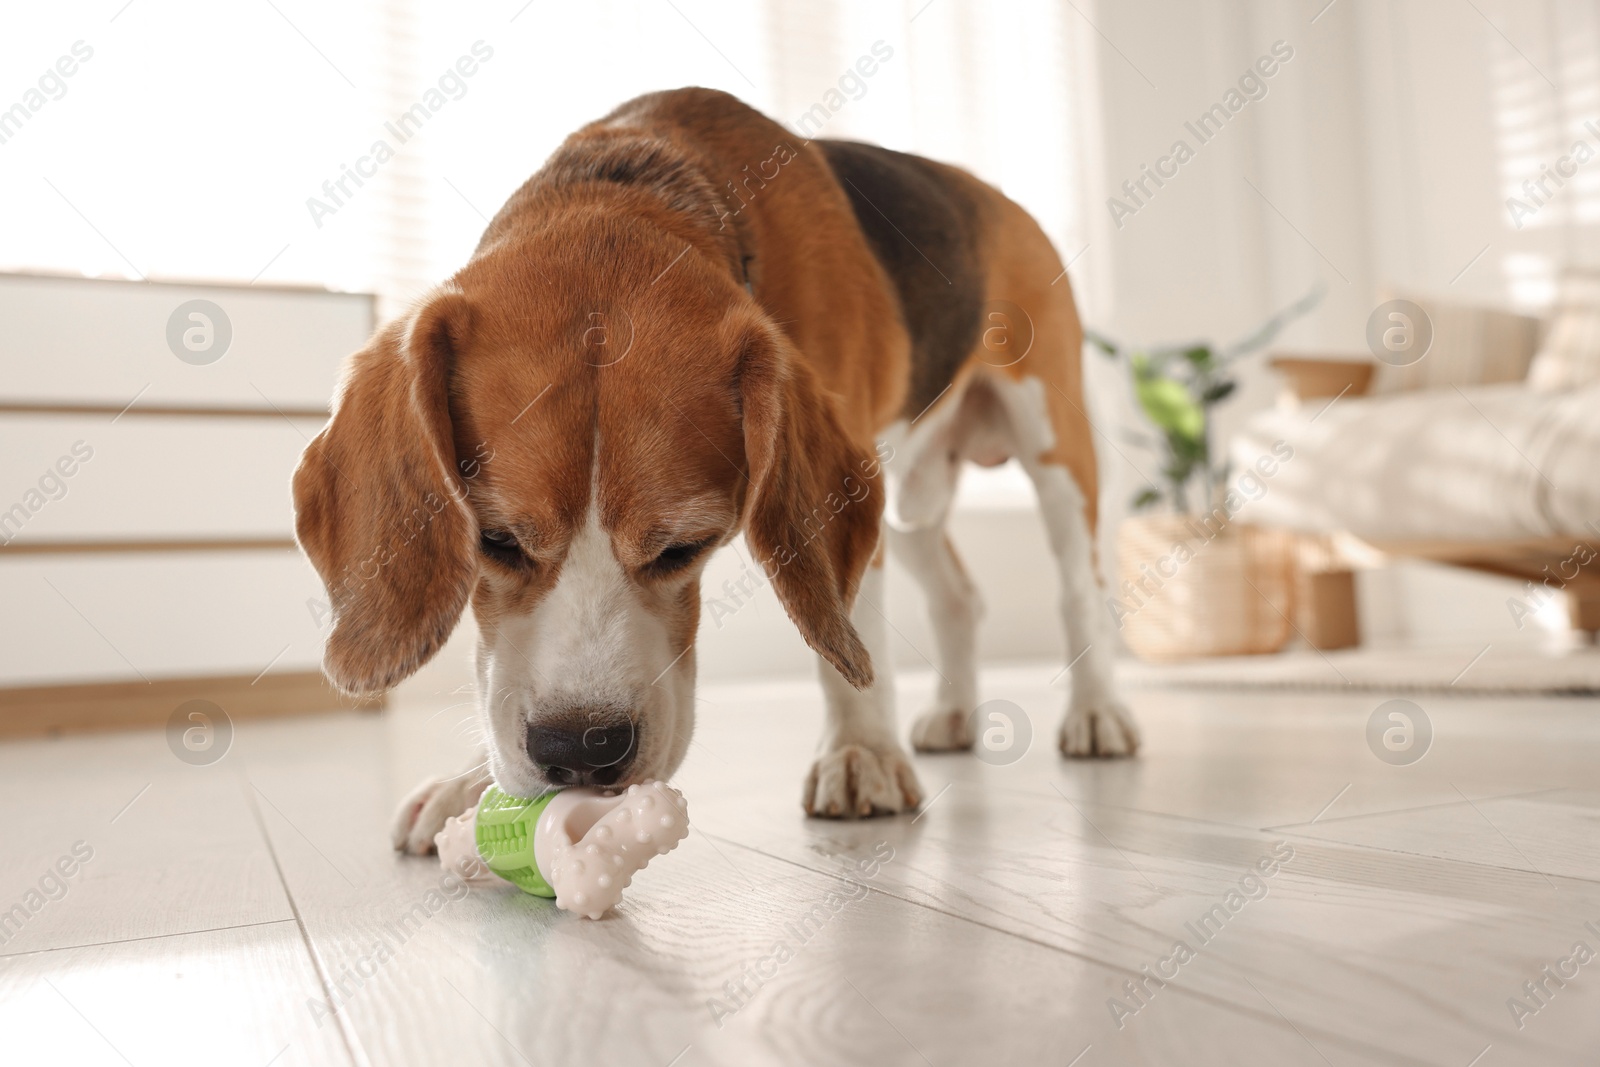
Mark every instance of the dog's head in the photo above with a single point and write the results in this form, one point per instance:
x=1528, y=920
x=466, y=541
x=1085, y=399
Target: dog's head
x=563, y=436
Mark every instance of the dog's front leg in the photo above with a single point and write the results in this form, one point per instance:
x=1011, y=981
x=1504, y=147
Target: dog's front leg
x=861, y=769
x=423, y=812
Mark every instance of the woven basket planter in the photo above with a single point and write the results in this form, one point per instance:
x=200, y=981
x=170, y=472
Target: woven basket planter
x=1189, y=590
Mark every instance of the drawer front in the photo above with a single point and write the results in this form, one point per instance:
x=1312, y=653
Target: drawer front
x=133, y=617
x=105, y=342
x=74, y=478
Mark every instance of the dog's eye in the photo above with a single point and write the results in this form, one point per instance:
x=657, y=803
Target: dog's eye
x=501, y=546
x=676, y=557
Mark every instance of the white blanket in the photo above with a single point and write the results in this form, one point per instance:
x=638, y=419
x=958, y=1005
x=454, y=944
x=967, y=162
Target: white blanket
x=1488, y=462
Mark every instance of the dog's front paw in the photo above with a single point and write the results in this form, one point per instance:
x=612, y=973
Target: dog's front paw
x=942, y=730
x=423, y=812
x=1099, y=728
x=856, y=781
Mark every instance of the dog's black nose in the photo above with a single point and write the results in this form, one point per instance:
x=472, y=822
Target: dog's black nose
x=583, y=754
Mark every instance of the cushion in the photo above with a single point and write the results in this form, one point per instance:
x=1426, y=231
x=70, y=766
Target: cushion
x=1570, y=355
x=1472, y=345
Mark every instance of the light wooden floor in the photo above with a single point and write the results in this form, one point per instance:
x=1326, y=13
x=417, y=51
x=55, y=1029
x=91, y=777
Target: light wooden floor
x=222, y=903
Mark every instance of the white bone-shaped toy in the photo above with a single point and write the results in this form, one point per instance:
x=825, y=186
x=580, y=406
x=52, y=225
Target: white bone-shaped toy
x=580, y=846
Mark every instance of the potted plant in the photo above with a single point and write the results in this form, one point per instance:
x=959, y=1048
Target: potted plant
x=1196, y=580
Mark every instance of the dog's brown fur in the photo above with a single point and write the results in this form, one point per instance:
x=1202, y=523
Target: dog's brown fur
x=726, y=334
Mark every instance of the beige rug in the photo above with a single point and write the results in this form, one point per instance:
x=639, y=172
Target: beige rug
x=1485, y=669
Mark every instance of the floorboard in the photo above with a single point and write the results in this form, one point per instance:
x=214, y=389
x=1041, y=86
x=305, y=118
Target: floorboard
x=1002, y=924
x=235, y=997
x=171, y=848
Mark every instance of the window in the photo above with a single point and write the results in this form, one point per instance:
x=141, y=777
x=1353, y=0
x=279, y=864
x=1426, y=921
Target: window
x=347, y=145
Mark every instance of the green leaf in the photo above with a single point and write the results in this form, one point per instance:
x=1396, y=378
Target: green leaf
x=1190, y=450
x=1199, y=356
x=1218, y=391
x=1102, y=342
x=1144, y=498
x=1167, y=403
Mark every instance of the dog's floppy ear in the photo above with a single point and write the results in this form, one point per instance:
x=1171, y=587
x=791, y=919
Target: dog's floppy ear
x=814, y=502
x=379, y=508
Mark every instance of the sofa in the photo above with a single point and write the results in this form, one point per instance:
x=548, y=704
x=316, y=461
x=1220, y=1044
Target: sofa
x=1482, y=453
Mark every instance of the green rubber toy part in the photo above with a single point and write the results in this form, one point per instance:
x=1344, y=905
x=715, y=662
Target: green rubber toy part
x=504, y=831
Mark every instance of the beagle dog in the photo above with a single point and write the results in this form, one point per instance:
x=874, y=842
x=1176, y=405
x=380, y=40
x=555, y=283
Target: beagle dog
x=691, y=324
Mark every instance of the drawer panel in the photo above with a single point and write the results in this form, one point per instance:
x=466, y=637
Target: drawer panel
x=93, y=341
x=94, y=618
x=147, y=478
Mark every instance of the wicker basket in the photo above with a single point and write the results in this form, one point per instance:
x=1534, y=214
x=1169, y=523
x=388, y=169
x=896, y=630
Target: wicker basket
x=1190, y=589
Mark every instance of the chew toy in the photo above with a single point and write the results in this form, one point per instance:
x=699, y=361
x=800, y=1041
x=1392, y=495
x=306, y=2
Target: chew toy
x=580, y=846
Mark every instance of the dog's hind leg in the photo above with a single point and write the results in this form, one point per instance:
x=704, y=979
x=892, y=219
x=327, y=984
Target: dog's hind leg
x=1097, y=723
x=953, y=608
x=923, y=472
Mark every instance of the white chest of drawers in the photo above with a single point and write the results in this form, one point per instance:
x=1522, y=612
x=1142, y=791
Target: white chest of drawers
x=147, y=436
